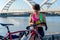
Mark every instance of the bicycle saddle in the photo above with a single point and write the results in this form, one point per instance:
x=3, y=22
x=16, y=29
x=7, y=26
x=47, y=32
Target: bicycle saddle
x=5, y=24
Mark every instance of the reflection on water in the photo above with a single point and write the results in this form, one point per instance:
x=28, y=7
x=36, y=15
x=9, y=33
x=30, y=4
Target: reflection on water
x=20, y=23
x=53, y=24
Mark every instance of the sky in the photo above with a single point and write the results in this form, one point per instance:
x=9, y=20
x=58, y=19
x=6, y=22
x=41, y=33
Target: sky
x=21, y=4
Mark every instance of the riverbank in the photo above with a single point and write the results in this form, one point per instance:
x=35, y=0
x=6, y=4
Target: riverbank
x=24, y=14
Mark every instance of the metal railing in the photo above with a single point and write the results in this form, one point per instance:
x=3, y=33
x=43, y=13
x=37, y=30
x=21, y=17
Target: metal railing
x=52, y=37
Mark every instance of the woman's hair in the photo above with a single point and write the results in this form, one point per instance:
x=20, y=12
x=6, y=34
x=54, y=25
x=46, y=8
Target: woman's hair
x=36, y=7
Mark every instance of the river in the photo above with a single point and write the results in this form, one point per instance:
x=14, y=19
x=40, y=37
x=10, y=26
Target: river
x=20, y=23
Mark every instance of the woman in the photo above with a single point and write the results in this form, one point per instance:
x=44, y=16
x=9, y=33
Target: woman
x=38, y=18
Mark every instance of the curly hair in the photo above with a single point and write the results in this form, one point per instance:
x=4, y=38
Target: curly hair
x=36, y=7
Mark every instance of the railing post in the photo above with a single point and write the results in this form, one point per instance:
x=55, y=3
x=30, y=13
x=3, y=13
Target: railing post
x=52, y=37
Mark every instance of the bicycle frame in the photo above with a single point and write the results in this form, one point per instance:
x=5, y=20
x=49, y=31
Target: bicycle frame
x=19, y=32
x=10, y=33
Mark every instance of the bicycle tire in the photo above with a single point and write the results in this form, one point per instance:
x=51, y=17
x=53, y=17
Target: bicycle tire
x=35, y=37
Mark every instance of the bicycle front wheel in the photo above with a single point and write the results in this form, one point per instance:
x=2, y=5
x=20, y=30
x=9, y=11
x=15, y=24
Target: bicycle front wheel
x=35, y=37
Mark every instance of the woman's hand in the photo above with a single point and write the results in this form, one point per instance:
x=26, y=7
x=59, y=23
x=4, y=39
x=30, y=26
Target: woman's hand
x=31, y=23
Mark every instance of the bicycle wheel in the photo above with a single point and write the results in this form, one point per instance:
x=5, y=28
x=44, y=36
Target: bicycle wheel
x=35, y=37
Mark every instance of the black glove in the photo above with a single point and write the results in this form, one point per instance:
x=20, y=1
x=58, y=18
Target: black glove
x=28, y=27
x=34, y=24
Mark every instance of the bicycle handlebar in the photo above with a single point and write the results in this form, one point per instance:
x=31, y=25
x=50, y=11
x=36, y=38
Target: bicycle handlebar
x=34, y=25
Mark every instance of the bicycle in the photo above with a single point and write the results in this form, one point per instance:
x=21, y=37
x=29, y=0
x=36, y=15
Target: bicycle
x=10, y=33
